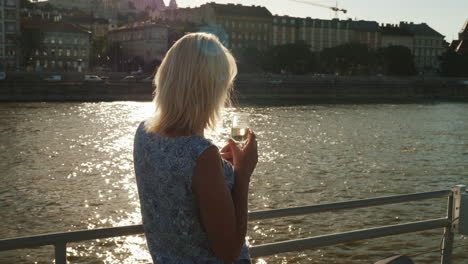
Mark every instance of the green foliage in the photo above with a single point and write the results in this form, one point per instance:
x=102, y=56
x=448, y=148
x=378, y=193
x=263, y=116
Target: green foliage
x=27, y=4
x=100, y=51
x=294, y=58
x=453, y=64
x=397, y=60
x=29, y=41
x=348, y=59
x=345, y=59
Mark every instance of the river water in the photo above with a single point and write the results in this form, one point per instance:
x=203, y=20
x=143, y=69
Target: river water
x=68, y=166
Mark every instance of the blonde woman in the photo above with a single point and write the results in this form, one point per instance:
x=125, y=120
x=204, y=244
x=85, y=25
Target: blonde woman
x=193, y=198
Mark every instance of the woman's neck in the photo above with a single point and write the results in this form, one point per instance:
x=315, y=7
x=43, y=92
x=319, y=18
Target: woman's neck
x=180, y=133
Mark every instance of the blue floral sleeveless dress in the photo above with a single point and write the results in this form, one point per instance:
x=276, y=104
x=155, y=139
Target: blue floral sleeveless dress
x=164, y=168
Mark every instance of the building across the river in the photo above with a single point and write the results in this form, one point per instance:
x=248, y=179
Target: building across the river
x=317, y=33
x=64, y=47
x=9, y=34
x=394, y=35
x=236, y=25
x=428, y=45
x=137, y=45
x=460, y=45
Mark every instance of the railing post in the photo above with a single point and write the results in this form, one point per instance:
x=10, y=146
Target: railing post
x=453, y=212
x=60, y=253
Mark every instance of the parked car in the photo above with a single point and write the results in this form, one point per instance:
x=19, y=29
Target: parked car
x=92, y=78
x=104, y=78
x=148, y=79
x=54, y=78
x=129, y=78
x=2, y=76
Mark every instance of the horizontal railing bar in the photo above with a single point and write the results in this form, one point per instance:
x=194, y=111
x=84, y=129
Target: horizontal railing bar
x=302, y=210
x=73, y=236
x=82, y=235
x=328, y=240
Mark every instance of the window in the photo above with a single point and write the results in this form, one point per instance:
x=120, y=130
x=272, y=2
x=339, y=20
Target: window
x=10, y=27
x=75, y=52
x=68, y=53
x=75, y=64
x=60, y=52
x=46, y=64
x=10, y=3
x=52, y=52
x=75, y=41
x=52, y=40
x=60, y=41
x=83, y=52
x=60, y=64
x=52, y=64
x=36, y=52
x=68, y=64
x=44, y=52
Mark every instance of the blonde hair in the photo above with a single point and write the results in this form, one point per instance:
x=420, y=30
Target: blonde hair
x=193, y=84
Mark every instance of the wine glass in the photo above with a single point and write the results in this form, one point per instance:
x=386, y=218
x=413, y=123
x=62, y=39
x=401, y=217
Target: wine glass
x=240, y=127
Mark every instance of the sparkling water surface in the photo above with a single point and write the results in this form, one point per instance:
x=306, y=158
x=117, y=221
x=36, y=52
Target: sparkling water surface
x=68, y=166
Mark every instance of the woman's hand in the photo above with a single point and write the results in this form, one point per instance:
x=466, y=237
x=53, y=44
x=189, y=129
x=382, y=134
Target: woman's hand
x=243, y=160
x=226, y=153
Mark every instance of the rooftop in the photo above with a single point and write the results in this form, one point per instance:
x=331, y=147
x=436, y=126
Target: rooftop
x=464, y=32
x=364, y=25
x=420, y=29
x=139, y=24
x=240, y=10
x=395, y=30
x=52, y=26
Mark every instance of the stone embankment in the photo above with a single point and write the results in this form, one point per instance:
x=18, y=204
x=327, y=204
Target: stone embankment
x=301, y=89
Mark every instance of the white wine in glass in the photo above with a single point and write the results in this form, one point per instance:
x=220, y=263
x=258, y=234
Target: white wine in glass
x=240, y=127
x=239, y=134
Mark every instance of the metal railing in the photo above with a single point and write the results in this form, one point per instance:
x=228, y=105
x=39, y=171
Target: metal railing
x=449, y=223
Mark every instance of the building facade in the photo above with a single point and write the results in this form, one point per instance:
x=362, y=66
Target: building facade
x=83, y=5
x=111, y=8
x=65, y=47
x=393, y=35
x=9, y=34
x=139, y=44
x=236, y=25
x=366, y=32
x=244, y=26
x=317, y=33
x=428, y=45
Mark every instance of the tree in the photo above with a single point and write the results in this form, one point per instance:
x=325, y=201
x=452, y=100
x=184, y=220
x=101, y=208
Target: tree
x=250, y=60
x=397, y=60
x=294, y=58
x=29, y=41
x=348, y=59
x=453, y=64
x=100, y=51
x=27, y=4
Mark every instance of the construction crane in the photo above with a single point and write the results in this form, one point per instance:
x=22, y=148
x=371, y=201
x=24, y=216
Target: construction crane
x=333, y=8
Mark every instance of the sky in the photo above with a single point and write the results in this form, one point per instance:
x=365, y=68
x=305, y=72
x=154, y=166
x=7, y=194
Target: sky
x=445, y=16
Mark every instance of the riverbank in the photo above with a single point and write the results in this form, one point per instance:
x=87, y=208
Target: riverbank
x=253, y=88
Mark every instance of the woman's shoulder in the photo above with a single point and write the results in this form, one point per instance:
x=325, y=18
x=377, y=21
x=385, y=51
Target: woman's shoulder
x=198, y=144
